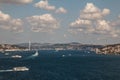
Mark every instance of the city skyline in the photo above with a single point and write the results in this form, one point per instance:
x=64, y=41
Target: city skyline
x=60, y=21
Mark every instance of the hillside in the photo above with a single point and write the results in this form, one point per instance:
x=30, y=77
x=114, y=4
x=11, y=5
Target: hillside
x=109, y=49
x=10, y=47
x=60, y=46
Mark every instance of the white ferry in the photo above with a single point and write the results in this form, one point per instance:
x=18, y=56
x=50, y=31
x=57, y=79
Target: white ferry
x=20, y=69
x=16, y=56
x=63, y=55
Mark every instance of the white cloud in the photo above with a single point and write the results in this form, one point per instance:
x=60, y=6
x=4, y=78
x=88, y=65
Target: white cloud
x=43, y=4
x=92, y=20
x=16, y=1
x=103, y=25
x=116, y=22
x=91, y=8
x=93, y=12
x=79, y=22
x=16, y=25
x=4, y=17
x=61, y=10
x=8, y=23
x=43, y=23
x=106, y=11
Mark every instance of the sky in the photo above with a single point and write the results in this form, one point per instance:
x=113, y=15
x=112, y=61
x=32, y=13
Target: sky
x=60, y=21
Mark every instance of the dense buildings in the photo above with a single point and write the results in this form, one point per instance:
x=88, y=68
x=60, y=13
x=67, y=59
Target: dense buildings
x=99, y=49
x=109, y=49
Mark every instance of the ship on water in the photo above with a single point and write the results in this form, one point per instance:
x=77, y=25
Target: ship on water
x=16, y=69
x=20, y=69
x=16, y=56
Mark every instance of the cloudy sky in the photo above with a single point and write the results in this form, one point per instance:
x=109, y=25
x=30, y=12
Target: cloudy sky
x=60, y=21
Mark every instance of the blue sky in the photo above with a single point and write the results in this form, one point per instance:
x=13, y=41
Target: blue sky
x=60, y=21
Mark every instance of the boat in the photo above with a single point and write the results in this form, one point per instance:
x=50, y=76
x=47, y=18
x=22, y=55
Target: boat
x=36, y=53
x=6, y=53
x=56, y=50
x=63, y=55
x=16, y=56
x=69, y=54
x=20, y=69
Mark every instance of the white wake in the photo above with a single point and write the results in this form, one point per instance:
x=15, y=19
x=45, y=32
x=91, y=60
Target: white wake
x=9, y=70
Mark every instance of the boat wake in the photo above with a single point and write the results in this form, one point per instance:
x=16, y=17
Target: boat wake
x=36, y=54
x=33, y=56
x=16, y=69
x=9, y=70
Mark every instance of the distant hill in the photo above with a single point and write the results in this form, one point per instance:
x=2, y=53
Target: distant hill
x=99, y=49
x=10, y=47
x=61, y=46
x=109, y=49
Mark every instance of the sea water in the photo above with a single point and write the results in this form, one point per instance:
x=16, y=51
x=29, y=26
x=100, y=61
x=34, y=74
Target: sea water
x=52, y=65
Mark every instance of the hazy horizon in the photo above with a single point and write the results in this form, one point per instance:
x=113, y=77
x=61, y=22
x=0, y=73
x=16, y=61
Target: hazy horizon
x=58, y=43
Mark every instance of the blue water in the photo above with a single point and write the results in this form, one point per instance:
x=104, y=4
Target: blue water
x=51, y=65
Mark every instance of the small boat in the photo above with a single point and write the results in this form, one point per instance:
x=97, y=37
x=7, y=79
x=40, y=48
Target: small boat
x=69, y=54
x=16, y=56
x=63, y=55
x=6, y=53
x=36, y=53
x=56, y=50
x=20, y=69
